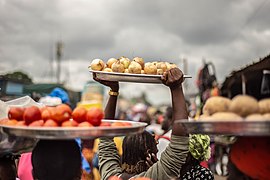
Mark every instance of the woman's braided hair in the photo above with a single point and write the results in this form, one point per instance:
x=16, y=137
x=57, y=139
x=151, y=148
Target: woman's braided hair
x=135, y=150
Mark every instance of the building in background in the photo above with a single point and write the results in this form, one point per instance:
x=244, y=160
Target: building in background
x=12, y=84
x=249, y=80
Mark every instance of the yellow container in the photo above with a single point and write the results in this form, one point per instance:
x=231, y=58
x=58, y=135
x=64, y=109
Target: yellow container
x=92, y=91
x=89, y=104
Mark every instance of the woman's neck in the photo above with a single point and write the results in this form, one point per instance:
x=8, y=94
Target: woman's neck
x=190, y=163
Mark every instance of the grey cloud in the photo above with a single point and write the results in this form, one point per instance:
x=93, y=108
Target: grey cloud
x=154, y=30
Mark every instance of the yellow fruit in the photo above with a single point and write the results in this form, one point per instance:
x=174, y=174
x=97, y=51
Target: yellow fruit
x=125, y=61
x=139, y=60
x=118, y=67
x=110, y=62
x=134, y=68
x=150, y=68
x=97, y=65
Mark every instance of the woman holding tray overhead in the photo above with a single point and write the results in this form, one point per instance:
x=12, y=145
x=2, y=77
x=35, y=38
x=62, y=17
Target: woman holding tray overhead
x=139, y=150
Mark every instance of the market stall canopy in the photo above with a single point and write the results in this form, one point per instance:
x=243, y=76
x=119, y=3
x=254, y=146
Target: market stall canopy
x=247, y=80
x=40, y=88
x=44, y=89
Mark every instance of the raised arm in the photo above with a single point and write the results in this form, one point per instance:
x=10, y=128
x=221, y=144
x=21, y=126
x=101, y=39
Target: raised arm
x=108, y=157
x=173, y=79
x=111, y=104
x=175, y=154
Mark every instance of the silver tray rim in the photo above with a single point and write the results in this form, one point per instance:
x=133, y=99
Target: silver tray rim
x=74, y=132
x=135, y=77
x=227, y=127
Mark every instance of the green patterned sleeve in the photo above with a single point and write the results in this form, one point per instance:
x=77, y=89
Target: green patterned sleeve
x=171, y=160
x=108, y=158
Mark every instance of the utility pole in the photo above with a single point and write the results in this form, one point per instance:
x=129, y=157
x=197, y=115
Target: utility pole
x=51, y=62
x=59, y=49
x=185, y=71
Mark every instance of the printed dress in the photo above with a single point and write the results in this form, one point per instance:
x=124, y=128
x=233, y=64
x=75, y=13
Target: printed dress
x=198, y=173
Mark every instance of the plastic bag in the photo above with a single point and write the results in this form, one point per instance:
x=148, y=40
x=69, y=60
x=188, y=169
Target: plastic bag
x=3, y=110
x=12, y=144
x=25, y=101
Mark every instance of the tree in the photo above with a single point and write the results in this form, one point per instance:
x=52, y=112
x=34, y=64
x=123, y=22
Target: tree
x=21, y=76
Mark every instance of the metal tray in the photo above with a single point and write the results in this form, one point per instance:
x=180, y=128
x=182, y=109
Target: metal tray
x=127, y=77
x=73, y=132
x=222, y=127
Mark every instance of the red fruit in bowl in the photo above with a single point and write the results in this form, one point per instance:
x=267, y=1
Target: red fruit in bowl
x=46, y=114
x=11, y=122
x=31, y=114
x=94, y=116
x=50, y=123
x=4, y=121
x=21, y=123
x=37, y=123
x=127, y=123
x=65, y=108
x=105, y=124
x=16, y=113
x=60, y=113
x=117, y=124
x=69, y=123
x=79, y=114
x=85, y=124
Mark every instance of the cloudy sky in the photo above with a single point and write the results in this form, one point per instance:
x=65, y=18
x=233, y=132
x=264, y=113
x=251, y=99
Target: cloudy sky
x=231, y=34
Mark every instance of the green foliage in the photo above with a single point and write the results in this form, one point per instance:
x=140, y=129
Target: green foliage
x=20, y=76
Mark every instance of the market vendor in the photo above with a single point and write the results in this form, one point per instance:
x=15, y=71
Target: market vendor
x=172, y=158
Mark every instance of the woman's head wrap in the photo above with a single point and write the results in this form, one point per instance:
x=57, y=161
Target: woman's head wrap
x=199, y=146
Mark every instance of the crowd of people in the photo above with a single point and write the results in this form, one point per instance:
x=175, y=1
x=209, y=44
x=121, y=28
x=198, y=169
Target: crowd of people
x=164, y=150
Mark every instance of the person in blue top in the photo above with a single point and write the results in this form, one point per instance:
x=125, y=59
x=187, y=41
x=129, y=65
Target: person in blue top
x=60, y=93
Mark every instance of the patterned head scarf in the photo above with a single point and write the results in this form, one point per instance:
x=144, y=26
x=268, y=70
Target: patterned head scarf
x=199, y=146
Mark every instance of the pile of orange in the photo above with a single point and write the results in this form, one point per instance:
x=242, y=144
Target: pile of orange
x=57, y=116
